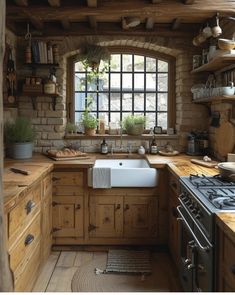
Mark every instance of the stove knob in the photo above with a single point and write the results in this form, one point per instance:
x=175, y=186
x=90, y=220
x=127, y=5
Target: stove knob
x=188, y=202
x=198, y=215
x=190, y=266
x=191, y=207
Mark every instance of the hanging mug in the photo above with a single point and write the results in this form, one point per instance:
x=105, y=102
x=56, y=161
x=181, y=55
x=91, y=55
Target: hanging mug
x=216, y=30
x=207, y=33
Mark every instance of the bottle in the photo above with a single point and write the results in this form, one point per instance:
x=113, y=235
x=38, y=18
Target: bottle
x=153, y=147
x=104, y=147
x=101, y=126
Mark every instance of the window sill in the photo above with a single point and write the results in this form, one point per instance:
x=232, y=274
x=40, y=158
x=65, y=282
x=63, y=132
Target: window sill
x=124, y=136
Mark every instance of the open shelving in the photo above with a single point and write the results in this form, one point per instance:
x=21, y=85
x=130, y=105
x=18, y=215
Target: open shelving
x=216, y=64
x=218, y=99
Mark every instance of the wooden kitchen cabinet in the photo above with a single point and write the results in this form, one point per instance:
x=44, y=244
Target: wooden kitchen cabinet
x=105, y=216
x=140, y=216
x=173, y=238
x=67, y=216
x=123, y=216
x=68, y=204
x=226, y=262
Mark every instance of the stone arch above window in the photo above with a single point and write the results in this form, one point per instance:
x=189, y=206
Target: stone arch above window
x=138, y=81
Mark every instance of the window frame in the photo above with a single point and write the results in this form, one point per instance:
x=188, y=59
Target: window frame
x=171, y=111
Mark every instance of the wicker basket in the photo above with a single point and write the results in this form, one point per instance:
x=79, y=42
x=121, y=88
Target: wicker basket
x=226, y=44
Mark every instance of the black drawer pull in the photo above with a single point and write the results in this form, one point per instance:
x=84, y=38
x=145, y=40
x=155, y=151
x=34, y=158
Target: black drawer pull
x=29, y=239
x=29, y=206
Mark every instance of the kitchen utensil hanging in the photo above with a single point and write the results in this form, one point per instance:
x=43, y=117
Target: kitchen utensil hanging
x=11, y=78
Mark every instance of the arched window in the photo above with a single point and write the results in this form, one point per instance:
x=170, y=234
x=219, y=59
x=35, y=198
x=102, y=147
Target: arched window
x=130, y=84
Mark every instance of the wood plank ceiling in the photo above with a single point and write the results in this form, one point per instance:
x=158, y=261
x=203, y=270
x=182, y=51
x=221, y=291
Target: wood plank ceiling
x=109, y=17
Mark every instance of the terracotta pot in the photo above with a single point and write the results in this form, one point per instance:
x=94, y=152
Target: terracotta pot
x=90, y=131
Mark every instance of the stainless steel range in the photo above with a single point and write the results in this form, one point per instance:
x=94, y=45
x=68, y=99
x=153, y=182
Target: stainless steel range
x=200, y=198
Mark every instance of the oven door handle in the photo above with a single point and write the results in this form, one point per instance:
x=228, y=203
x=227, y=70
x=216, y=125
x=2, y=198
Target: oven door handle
x=203, y=248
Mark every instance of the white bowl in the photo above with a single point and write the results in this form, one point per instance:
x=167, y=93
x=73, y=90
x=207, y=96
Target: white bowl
x=227, y=90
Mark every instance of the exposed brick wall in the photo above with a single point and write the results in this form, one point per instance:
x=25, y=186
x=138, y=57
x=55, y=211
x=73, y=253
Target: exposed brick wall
x=50, y=125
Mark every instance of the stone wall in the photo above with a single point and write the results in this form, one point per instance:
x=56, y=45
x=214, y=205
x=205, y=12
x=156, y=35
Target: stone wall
x=50, y=125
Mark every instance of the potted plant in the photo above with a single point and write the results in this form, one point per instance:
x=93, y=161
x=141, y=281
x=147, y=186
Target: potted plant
x=70, y=128
x=19, y=137
x=134, y=124
x=89, y=121
x=91, y=55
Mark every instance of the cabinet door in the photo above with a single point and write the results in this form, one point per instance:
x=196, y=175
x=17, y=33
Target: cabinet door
x=67, y=216
x=140, y=216
x=106, y=216
x=173, y=228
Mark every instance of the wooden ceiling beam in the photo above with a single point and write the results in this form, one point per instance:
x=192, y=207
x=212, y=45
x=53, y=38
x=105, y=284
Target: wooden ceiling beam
x=54, y=3
x=149, y=25
x=21, y=2
x=35, y=21
x=156, y=1
x=176, y=24
x=92, y=3
x=188, y=2
x=82, y=29
x=188, y=13
x=92, y=22
x=66, y=24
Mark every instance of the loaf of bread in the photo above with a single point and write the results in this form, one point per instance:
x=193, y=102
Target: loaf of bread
x=65, y=153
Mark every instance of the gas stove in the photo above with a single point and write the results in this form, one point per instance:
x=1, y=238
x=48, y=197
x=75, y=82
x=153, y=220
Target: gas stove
x=214, y=192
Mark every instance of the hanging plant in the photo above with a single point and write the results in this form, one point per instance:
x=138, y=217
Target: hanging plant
x=91, y=56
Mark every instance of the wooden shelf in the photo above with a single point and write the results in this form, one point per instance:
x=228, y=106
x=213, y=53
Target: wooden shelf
x=30, y=94
x=124, y=136
x=216, y=64
x=42, y=65
x=216, y=99
x=34, y=95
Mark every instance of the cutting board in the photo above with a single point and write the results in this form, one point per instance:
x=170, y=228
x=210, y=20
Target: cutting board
x=225, y=135
x=69, y=158
x=210, y=164
x=168, y=154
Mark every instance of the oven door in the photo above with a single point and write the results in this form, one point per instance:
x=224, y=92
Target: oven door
x=203, y=272
x=186, y=249
x=196, y=263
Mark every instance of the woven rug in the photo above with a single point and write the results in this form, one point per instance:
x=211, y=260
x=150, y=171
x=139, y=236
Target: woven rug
x=128, y=261
x=162, y=278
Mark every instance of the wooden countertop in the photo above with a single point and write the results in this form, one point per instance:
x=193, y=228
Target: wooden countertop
x=226, y=222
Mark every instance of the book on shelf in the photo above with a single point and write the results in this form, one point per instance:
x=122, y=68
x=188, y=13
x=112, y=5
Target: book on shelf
x=44, y=52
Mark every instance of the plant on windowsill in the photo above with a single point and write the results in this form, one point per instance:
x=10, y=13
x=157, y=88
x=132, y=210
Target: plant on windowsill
x=19, y=137
x=134, y=124
x=89, y=121
x=70, y=128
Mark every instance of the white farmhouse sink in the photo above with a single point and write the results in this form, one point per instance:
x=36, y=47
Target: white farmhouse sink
x=130, y=172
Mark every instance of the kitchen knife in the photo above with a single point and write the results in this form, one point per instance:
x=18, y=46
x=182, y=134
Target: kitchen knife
x=21, y=171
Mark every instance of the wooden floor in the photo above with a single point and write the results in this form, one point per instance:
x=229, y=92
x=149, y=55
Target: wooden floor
x=58, y=272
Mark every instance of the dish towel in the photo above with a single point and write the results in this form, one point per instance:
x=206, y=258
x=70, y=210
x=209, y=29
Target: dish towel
x=101, y=177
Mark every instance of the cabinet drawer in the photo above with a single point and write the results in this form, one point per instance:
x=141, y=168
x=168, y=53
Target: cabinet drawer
x=68, y=178
x=67, y=190
x=25, y=244
x=22, y=214
x=25, y=277
x=47, y=185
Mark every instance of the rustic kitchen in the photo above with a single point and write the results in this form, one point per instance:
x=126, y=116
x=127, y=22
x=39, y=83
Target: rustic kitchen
x=117, y=162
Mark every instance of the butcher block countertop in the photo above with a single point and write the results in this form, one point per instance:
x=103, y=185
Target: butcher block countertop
x=15, y=185
x=226, y=222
